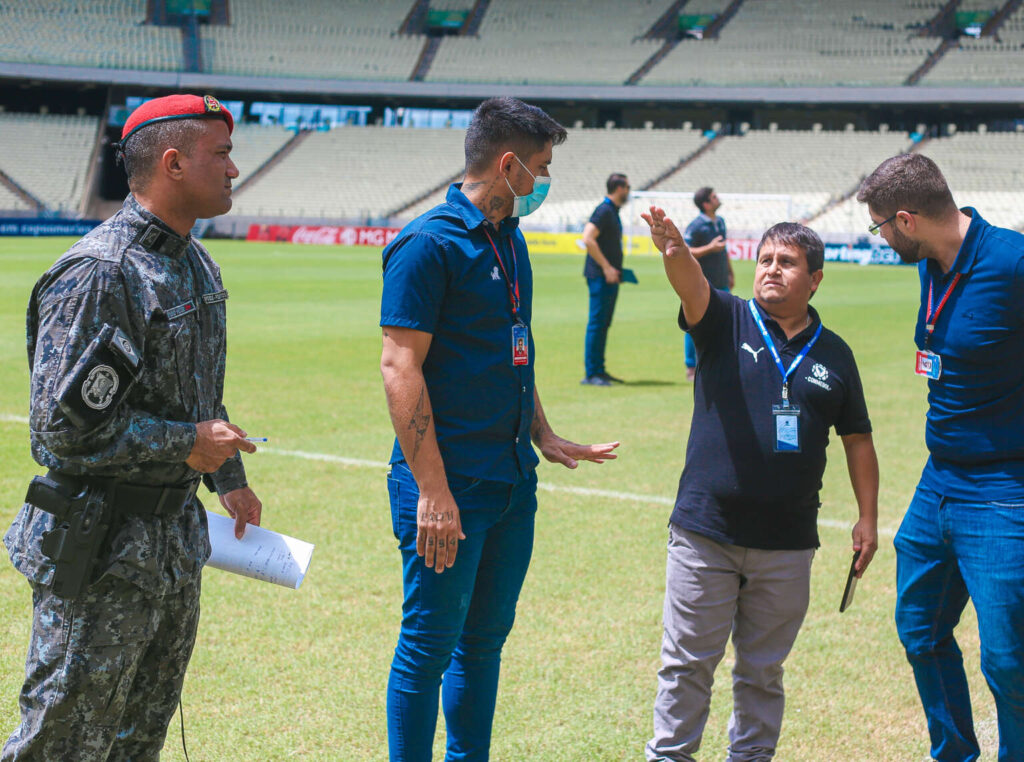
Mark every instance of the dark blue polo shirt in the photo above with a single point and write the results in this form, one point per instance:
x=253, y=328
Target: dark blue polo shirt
x=609, y=238
x=441, y=276
x=700, y=232
x=975, y=426
x=734, y=488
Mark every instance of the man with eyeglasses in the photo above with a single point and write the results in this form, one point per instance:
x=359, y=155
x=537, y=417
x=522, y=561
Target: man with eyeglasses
x=963, y=534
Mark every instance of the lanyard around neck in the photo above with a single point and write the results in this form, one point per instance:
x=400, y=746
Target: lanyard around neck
x=512, y=283
x=932, y=317
x=775, y=352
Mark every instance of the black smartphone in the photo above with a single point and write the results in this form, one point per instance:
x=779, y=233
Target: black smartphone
x=851, y=584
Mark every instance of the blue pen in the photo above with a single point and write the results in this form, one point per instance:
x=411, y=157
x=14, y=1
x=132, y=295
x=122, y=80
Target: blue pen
x=256, y=439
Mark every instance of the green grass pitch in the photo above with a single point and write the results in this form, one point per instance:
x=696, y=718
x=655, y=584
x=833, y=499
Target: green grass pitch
x=280, y=675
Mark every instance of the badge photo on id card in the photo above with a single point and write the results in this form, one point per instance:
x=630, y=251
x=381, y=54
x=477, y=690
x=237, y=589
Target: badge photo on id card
x=787, y=428
x=928, y=364
x=520, y=344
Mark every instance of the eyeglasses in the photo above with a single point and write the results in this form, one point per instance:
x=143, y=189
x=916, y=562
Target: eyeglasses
x=878, y=225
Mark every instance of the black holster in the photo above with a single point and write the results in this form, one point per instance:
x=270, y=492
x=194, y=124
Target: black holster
x=85, y=509
x=83, y=520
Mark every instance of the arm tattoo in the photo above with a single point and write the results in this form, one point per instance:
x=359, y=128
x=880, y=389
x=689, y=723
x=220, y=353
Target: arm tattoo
x=420, y=421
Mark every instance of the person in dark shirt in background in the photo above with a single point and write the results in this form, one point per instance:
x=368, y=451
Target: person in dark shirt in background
x=705, y=236
x=603, y=271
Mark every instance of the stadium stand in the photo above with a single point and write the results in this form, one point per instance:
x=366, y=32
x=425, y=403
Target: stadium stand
x=48, y=155
x=529, y=41
x=581, y=165
x=102, y=33
x=354, y=173
x=254, y=144
x=357, y=39
x=804, y=42
x=987, y=61
x=983, y=169
x=9, y=202
x=813, y=167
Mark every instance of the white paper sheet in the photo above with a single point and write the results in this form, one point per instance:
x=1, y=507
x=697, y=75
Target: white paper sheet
x=260, y=554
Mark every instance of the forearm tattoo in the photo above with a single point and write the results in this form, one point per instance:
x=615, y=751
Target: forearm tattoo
x=420, y=422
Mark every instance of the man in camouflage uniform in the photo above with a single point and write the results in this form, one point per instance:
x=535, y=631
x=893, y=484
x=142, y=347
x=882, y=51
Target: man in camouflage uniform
x=106, y=665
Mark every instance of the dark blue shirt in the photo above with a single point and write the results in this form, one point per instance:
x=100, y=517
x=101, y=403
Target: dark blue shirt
x=735, y=488
x=609, y=238
x=700, y=232
x=441, y=276
x=975, y=426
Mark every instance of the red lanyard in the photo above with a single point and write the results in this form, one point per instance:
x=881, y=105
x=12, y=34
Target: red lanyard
x=513, y=287
x=932, y=317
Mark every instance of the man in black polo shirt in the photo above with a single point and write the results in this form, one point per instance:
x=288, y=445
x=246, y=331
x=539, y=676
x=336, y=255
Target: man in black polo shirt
x=705, y=236
x=770, y=384
x=603, y=271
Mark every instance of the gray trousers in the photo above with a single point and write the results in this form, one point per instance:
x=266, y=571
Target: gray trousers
x=712, y=590
x=103, y=673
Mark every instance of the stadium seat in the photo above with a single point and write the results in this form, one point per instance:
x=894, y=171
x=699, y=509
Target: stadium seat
x=48, y=155
x=354, y=173
x=552, y=41
x=804, y=42
x=101, y=33
x=357, y=39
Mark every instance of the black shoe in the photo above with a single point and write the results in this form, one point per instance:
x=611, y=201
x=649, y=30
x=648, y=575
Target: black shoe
x=596, y=381
x=610, y=377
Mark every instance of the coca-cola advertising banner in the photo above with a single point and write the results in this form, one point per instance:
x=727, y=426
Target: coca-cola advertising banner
x=344, y=235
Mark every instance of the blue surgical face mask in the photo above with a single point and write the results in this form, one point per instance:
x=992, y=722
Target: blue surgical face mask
x=524, y=205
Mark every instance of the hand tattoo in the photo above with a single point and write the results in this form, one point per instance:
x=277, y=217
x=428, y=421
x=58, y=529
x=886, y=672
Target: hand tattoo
x=420, y=421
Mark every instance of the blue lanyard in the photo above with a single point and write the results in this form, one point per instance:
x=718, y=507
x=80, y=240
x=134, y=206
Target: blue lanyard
x=775, y=353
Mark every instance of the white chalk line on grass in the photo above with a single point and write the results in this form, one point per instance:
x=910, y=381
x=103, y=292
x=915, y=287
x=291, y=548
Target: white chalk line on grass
x=633, y=497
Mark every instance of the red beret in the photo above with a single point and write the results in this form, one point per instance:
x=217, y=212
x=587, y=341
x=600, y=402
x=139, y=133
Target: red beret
x=176, y=107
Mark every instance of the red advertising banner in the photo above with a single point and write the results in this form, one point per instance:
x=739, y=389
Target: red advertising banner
x=742, y=248
x=344, y=235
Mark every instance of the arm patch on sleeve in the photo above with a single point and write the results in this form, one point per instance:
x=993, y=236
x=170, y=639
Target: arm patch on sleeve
x=100, y=379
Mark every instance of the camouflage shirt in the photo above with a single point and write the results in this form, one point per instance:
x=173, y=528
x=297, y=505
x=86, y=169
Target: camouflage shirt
x=165, y=293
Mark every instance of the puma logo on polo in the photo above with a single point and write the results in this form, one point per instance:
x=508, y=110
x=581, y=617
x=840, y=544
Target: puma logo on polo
x=750, y=349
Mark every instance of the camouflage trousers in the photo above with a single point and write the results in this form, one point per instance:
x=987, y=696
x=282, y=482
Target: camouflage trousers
x=103, y=673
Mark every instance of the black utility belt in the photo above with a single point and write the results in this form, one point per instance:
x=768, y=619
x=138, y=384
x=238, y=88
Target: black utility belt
x=54, y=493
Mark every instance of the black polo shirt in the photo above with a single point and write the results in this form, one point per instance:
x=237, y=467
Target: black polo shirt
x=702, y=231
x=609, y=238
x=734, y=488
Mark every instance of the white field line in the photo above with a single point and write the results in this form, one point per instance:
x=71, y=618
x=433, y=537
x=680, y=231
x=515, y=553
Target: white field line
x=633, y=497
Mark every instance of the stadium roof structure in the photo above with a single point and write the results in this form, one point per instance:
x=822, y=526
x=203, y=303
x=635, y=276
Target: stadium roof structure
x=177, y=81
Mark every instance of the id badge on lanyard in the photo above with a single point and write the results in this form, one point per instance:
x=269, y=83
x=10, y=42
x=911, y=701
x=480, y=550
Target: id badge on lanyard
x=520, y=343
x=926, y=362
x=786, y=417
x=787, y=428
x=520, y=331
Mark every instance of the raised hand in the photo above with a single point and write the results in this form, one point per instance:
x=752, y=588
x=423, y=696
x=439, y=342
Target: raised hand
x=666, y=236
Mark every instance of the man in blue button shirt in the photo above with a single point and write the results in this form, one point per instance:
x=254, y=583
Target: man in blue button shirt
x=458, y=367
x=602, y=236
x=963, y=534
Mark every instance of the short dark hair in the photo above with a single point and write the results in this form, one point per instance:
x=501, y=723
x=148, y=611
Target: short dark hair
x=702, y=196
x=143, y=149
x=615, y=181
x=508, y=124
x=797, y=235
x=909, y=181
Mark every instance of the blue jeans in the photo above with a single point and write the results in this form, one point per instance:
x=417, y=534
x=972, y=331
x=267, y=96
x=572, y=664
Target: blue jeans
x=690, y=349
x=946, y=552
x=454, y=624
x=602, y=306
